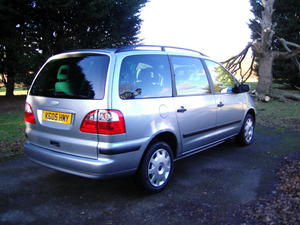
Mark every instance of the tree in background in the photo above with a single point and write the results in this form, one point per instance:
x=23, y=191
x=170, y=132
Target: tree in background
x=37, y=29
x=14, y=51
x=267, y=45
x=266, y=42
x=287, y=18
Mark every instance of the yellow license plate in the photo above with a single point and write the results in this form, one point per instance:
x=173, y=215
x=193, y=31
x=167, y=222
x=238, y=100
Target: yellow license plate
x=58, y=117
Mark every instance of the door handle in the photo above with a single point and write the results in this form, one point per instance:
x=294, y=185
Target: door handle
x=220, y=104
x=181, y=110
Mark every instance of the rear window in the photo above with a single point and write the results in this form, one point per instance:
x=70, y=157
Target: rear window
x=77, y=77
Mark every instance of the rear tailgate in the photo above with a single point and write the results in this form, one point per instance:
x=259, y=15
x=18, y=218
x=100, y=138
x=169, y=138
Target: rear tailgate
x=64, y=92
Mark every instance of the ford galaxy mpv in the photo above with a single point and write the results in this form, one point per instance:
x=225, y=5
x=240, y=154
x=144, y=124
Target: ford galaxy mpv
x=133, y=110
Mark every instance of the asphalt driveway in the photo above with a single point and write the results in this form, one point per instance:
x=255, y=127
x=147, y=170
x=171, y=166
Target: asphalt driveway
x=211, y=187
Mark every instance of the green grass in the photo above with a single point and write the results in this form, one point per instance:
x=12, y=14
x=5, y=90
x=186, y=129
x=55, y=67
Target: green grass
x=11, y=133
x=278, y=114
x=17, y=91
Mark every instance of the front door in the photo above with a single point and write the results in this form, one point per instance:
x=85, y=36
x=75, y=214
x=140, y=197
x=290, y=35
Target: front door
x=230, y=105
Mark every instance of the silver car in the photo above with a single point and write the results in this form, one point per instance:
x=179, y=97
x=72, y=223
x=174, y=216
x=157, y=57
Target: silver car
x=133, y=110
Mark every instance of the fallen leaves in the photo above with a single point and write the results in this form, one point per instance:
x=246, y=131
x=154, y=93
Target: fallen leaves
x=283, y=207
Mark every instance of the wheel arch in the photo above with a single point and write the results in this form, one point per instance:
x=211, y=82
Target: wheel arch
x=165, y=136
x=252, y=113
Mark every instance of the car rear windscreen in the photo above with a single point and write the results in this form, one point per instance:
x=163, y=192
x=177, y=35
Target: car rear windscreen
x=77, y=77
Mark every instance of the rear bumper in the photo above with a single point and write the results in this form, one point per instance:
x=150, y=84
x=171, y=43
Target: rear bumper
x=103, y=167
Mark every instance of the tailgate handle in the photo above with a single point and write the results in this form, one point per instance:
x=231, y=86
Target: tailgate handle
x=55, y=143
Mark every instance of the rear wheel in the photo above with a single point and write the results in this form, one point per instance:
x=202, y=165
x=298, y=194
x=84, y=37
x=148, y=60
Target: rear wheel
x=156, y=167
x=246, y=135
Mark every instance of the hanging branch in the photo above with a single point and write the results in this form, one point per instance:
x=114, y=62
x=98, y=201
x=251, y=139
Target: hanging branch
x=234, y=64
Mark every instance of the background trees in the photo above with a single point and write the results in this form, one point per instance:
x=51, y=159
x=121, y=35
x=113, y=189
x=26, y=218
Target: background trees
x=275, y=34
x=274, y=23
x=33, y=30
x=287, y=18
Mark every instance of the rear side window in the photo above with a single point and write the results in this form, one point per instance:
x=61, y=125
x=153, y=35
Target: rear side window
x=190, y=76
x=77, y=77
x=222, y=80
x=145, y=76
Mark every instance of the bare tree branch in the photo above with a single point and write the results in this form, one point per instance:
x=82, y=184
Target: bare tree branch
x=288, y=43
x=289, y=53
x=234, y=64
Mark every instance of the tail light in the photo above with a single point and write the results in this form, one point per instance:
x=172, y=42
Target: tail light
x=89, y=123
x=29, y=116
x=104, y=122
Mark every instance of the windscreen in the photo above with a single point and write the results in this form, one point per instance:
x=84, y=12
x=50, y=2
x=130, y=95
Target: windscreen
x=76, y=77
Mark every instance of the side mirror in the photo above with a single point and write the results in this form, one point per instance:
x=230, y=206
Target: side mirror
x=241, y=88
x=244, y=88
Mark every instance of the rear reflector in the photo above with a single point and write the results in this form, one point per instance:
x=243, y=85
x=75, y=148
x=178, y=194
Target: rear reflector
x=29, y=116
x=104, y=122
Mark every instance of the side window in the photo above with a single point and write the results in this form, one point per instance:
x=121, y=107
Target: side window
x=223, y=81
x=190, y=76
x=145, y=76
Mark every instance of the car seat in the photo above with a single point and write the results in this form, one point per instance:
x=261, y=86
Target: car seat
x=63, y=84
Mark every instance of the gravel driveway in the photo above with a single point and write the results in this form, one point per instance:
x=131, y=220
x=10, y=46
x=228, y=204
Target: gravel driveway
x=211, y=187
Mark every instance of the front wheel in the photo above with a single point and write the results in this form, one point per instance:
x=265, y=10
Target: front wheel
x=156, y=167
x=246, y=134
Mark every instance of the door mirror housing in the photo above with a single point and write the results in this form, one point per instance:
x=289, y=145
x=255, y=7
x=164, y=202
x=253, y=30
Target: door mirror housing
x=241, y=88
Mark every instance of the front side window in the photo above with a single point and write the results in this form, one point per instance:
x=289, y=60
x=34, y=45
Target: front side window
x=190, y=76
x=77, y=77
x=145, y=76
x=223, y=81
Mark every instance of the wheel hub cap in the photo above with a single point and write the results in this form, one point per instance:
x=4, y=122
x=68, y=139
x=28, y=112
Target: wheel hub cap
x=248, y=130
x=159, y=167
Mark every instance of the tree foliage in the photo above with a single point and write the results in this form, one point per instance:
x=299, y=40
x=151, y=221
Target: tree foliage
x=33, y=30
x=284, y=19
x=267, y=45
x=287, y=18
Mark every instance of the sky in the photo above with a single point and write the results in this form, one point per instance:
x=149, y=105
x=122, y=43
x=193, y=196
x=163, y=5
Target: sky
x=218, y=28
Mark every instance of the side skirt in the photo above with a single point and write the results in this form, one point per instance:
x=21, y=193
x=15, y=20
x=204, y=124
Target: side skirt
x=202, y=148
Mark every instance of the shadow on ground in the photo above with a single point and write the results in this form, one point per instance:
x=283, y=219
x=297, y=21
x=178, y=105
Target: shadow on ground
x=208, y=188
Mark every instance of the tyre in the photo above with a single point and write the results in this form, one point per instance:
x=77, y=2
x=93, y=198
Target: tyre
x=156, y=167
x=245, y=137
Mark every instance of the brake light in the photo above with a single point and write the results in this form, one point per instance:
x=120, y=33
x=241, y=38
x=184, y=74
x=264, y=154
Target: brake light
x=89, y=123
x=28, y=116
x=104, y=122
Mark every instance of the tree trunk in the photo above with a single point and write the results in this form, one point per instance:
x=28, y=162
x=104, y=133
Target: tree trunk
x=10, y=86
x=265, y=78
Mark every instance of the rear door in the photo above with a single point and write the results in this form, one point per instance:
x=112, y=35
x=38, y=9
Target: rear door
x=66, y=89
x=195, y=104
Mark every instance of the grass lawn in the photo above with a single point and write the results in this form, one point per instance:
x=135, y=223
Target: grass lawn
x=11, y=127
x=278, y=114
x=17, y=91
